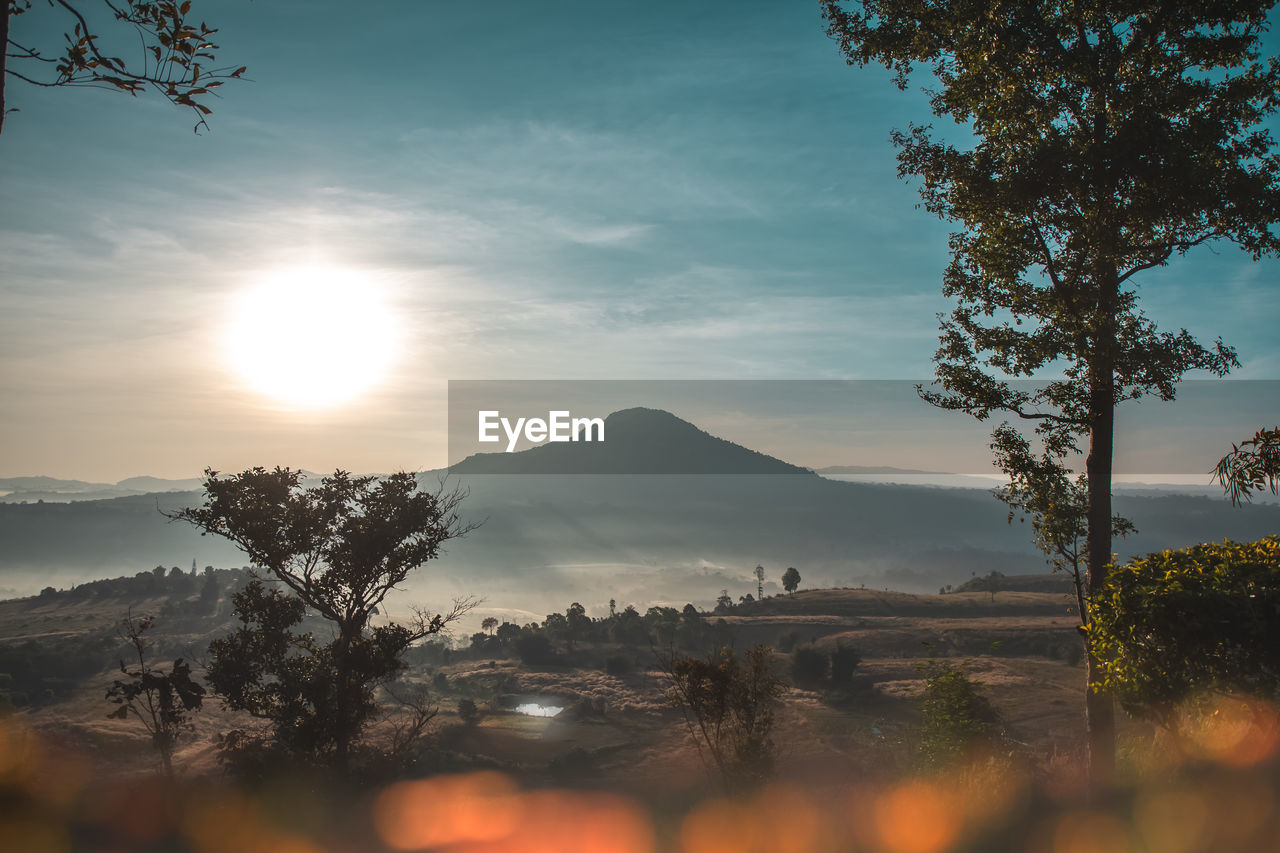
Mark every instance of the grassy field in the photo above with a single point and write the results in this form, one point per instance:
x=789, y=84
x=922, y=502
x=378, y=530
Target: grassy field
x=618, y=731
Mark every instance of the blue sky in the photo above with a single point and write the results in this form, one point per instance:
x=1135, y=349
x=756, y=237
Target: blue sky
x=540, y=190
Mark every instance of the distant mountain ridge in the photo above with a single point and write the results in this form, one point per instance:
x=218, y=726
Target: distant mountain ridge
x=871, y=469
x=636, y=441
x=54, y=490
x=669, y=536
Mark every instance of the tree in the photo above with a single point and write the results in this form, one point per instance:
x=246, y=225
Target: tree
x=468, y=712
x=176, y=59
x=844, y=662
x=1043, y=489
x=955, y=717
x=1178, y=623
x=339, y=549
x=1105, y=141
x=210, y=593
x=791, y=580
x=723, y=602
x=489, y=623
x=163, y=702
x=1252, y=465
x=727, y=703
x=577, y=623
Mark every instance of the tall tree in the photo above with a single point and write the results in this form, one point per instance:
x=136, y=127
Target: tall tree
x=177, y=57
x=1103, y=140
x=340, y=548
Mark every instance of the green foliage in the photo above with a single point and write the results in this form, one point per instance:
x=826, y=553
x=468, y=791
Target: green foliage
x=955, y=717
x=1251, y=466
x=728, y=704
x=339, y=548
x=163, y=702
x=177, y=58
x=1100, y=141
x=1043, y=489
x=1177, y=623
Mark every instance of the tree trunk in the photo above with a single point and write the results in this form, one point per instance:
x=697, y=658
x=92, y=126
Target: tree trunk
x=1099, y=707
x=343, y=735
x=4, y=50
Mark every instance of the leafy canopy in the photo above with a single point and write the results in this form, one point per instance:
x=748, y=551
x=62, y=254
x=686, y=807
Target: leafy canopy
x=1102, y=139
x=177, y=57
x=1174, y=624
x=339, y=547
x=1251, y=466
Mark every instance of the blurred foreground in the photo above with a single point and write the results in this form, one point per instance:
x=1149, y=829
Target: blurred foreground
x=1215, y=787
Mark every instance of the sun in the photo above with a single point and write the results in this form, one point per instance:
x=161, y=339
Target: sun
x=312, y=337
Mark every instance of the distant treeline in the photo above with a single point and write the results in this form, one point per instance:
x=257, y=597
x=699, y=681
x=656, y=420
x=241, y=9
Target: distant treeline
x=36, y=671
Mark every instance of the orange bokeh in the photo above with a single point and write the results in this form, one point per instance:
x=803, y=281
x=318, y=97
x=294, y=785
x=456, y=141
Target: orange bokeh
x=481, y=812
x=917, y=817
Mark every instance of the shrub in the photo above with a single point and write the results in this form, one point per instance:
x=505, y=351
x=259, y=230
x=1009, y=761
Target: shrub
x=956, y=717
x=1173, y=624
x=468, y=712
x=618, y=664
x=808, y=665
x=844, y=662
x=535, y=649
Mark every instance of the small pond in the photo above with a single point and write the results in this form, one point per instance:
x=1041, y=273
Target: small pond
x=535, y=706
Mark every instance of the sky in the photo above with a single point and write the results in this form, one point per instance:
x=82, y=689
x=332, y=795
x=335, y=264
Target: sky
x=553, y=190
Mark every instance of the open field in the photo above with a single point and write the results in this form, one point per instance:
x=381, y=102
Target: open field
x=618, y=731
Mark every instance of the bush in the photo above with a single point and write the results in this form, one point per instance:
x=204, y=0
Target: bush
x=808, y=665
x=535, y=649
x=844, y=662
x=618, y=665
x=728, y=703
x=1174, y=624
x=956, y=717
x=468, y=712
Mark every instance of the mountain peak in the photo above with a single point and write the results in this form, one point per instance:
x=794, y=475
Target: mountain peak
x=638, y=440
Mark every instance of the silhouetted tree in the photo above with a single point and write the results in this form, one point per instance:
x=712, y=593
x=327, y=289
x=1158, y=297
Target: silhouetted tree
x=176, y=59
x=489, y=623
x=791, y=580
x=340, y=548
x=468, y=712
x=1105, y=140
x=723, y=602
x=808, y=665
x=728, y=704
x=163, y=702
x=844, y=662
x=576, y=623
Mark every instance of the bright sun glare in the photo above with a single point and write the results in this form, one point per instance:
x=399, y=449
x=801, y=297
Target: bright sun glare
x=312, y=337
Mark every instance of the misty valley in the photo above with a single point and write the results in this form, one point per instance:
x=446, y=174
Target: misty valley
x=607, y=633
